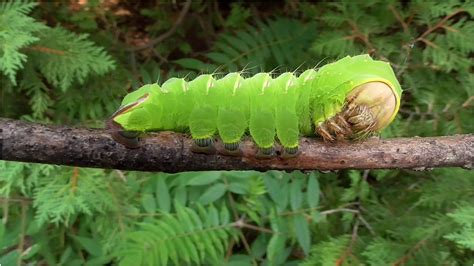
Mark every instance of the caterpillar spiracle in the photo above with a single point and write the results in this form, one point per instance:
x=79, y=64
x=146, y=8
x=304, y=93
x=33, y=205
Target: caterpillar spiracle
x=351, y=98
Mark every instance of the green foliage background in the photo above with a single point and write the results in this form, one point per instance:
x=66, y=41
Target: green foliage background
x=71, y=62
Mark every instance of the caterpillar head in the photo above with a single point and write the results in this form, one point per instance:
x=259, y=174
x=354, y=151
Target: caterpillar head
x=132, y=117
x=368, y=109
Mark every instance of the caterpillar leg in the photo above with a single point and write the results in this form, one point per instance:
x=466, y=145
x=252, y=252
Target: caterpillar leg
x=287, y=132
x=335, y=128
x=202, y=124
x=262, y=130
x=205, y=145
x=232, y=149
x=362, y=120
x=290, y=152
x=231, y=124
x=265, y=153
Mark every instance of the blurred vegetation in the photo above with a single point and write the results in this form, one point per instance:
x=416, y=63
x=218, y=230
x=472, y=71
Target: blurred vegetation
x=72, y=62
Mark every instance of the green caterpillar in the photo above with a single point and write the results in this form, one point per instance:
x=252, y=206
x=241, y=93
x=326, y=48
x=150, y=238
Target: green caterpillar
x=351, y=98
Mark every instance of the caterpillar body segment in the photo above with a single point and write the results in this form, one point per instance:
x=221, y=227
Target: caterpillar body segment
x=286, y=118
x=304, y=102
x=262, y=110
x=349, y=99
x=202, y=118
x=233, y=108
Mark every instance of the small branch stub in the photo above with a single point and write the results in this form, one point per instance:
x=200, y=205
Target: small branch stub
x=171, y=152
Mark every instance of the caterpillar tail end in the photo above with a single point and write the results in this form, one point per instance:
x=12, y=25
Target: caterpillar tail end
x=369, y=108
x=129, y=139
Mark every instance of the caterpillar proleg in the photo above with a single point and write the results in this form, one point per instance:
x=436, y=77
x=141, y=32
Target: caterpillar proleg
x=351, y=98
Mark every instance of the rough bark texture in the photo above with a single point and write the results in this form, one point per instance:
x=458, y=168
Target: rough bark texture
x=170, y=152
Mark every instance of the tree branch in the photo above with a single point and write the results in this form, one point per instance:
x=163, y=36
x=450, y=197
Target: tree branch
x=170, y=152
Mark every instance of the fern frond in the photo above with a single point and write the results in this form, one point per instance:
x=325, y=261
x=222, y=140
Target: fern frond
x=279, y=42
x=10, y=176
x=64, y=57
x=334, y=44
x=16, y=32
x=382, y=251
x=36, y=90
x=189, y=236
x=327, y=252
x=448, y=187
x=60, y=197
x=464, y=235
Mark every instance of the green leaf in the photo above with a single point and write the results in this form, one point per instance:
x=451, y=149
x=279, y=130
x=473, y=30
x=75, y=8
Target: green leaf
x=66, y=254
x=240, y=260
x=212, y=216
x=163, y=195
x=92, y=246
x=275, y=246
x=238, y=188
x=313, y=190
x=180, y=195
x=259, y=245
x=2, y=230
x=296, y=195
x=219, y=57
x=149, y=202
x=236, y=42
x=204, y=178
x=303, y=235
x=10, y=258
x=277, y=189
x=213, y=193
x=224, y=215
x=239, y=175
x=191, y=63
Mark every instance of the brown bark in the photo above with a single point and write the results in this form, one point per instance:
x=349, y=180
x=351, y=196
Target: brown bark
x=170, y=152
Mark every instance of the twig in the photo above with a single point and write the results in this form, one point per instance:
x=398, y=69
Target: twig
x=348, y=251
x=407, y=256
x=240, y=223
x=467, y=103
x=21, y=244
x=167, y=34
x=45, y=50
x=364, y=38
x=429, y=43
x=366, y=224
x=338, y=210
x=172, y=152
x=5, y=208
x=74, y=178
x=439, y=24
x=399, y=18
x=422, y=37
